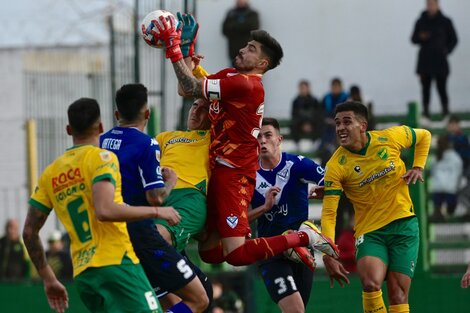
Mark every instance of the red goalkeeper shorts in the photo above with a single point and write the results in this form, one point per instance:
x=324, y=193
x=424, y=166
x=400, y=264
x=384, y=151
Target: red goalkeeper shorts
x=228, y=197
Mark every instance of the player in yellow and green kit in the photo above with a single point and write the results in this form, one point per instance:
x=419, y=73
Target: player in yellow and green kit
x=83, y=187
x=368, y=169
x=187, y=153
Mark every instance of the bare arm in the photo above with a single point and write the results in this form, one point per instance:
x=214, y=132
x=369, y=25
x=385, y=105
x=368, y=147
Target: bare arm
x=56, y=293
x=157, y=196
x=109, y=211
x=189, y=86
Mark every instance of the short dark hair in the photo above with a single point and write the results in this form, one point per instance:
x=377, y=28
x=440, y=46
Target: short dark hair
x=82, y=115
x=336, y=80
x=271, y=121
x=453, y=119
x=269, y=46
x=358, y=108
x=130, y=99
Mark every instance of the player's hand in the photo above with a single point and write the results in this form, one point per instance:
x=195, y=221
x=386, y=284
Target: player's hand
x=169, y=214
x=197, y=59
x=413, y=175
x=56, y=295
x=465, y=282
x=170, y=35
x=270, y=198
x=188, y=34
x=169, y=177
x=316, y=192
x=336, y=271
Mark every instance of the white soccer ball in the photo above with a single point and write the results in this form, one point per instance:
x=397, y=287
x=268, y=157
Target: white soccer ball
x=148, y=24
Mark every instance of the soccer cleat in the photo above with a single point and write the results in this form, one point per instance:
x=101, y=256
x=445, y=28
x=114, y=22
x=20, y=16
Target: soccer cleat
x=300, y=254
x=318, y=241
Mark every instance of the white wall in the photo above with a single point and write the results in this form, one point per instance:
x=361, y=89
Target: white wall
x=365, y=42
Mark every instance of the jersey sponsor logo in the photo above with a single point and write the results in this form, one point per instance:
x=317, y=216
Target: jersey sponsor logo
x=180, y=140
x=111, y=144
x=382, y=139
x=328, y=183
x=342, y=160
x=232, y=221
x=65, y=179
x=281, y=209
x=214, y=107
x=63, y=194
x=377, y=175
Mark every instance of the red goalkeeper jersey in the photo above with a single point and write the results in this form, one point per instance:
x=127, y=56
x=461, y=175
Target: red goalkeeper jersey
x=236, y=112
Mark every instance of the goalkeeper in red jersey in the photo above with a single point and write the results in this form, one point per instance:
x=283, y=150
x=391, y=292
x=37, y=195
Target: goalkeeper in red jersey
x=236, y=110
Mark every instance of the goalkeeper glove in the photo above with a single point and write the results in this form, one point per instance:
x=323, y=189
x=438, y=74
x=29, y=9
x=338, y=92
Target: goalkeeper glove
x=188, y=34
x=170, y=35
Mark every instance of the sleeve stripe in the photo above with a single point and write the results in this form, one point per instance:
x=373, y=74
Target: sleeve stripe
x=38, y=205
x=158, y=182
x=333, y=192
x=413, y=136
x=105, y=177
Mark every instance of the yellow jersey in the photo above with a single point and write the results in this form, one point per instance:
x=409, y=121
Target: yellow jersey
x=371, y=179
x=187, y=153
x=66, y=186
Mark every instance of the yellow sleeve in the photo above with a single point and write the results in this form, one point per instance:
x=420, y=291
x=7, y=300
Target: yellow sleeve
x=105, y=166
x=333, y=191
x=39, y=199
x=423, y=142
x=200, y=72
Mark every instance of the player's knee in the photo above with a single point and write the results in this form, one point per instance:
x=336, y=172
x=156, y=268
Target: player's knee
x=198, y=302
x=370, y=285
x=397, y=296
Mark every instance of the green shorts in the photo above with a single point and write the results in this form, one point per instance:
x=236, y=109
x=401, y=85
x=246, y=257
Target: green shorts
x=396, y=244
x=191, y=204
x=117, y=288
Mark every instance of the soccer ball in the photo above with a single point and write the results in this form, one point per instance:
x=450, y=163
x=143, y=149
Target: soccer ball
x=148, y=25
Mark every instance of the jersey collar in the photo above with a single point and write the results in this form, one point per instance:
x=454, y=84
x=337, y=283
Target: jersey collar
x=363, y=151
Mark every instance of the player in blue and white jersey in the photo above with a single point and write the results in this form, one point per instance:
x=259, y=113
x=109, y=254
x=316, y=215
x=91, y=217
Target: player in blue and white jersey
x=280, y=203
x=145, y=183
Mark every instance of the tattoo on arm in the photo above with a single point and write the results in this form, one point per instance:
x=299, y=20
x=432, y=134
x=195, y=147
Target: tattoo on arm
x=34, y=222
x=190, y=85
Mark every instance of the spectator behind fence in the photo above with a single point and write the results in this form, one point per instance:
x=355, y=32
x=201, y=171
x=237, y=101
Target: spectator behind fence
x=355, y=94
x=238, y=24
x=307, y=114
x=336, y=96
x=14, y=261
x=436, y=36
x=58, y=258
x=446, y=173
x=461, y=144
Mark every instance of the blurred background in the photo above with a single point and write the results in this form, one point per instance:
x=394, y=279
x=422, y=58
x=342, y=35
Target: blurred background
x=53, y=52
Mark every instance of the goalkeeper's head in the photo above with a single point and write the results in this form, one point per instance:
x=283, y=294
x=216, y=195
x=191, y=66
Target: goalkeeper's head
x=270, y=47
